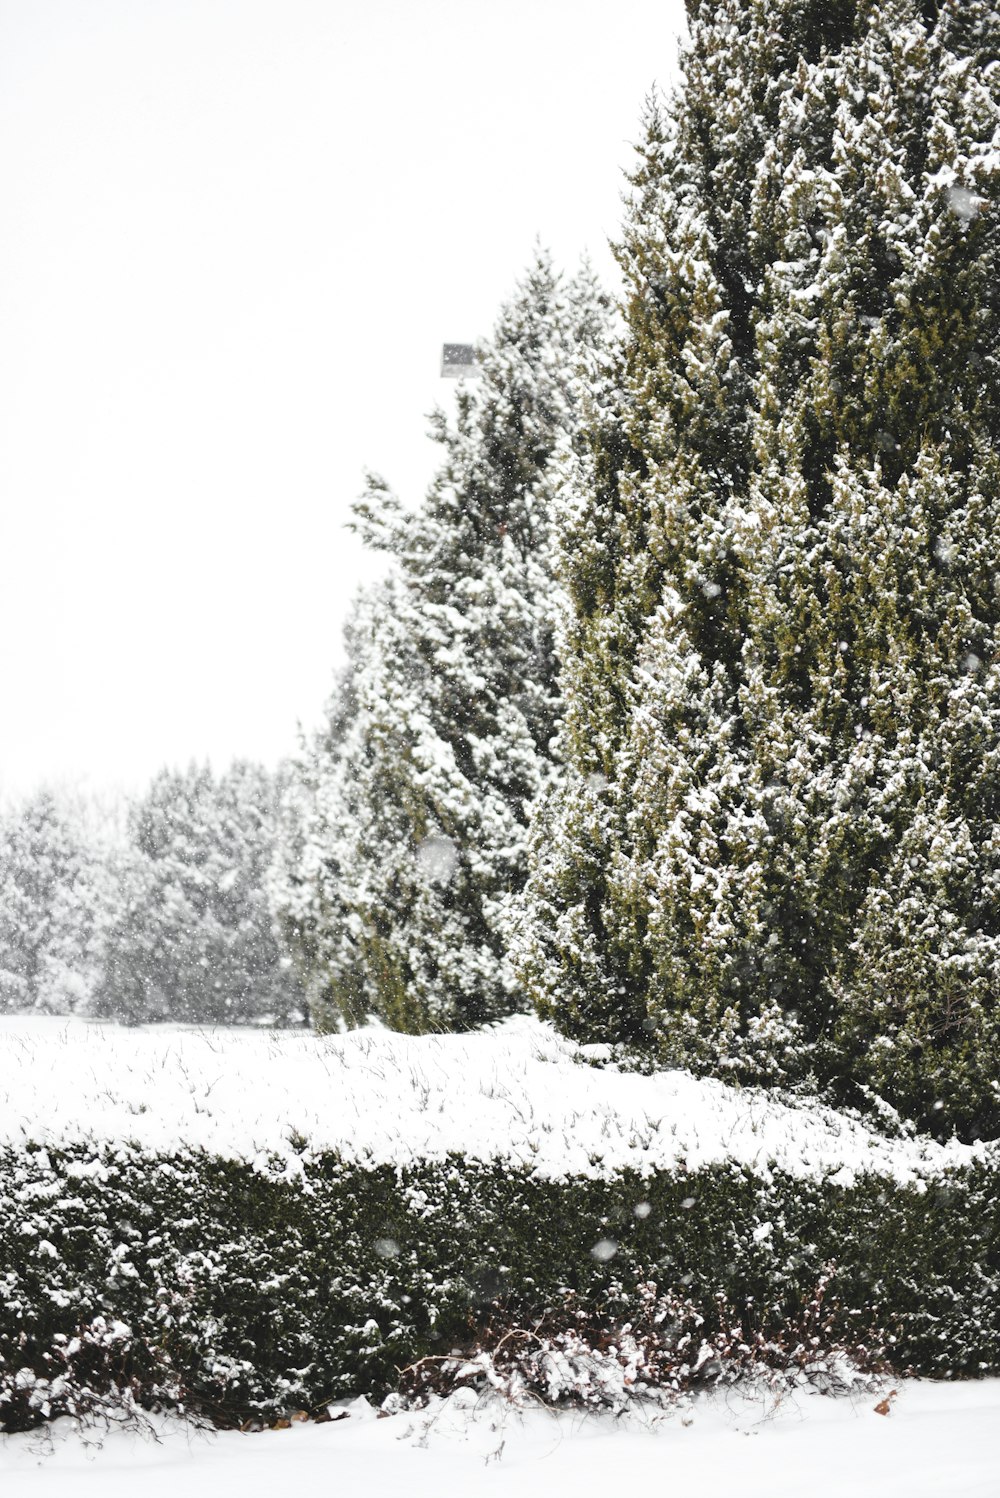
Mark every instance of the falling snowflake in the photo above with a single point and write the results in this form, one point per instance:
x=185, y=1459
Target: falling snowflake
x=438, y=858
x=965, y=204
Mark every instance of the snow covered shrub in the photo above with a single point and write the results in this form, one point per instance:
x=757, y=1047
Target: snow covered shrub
x=248, y=1291
x=647, y=1345
x=774, y=855
x=93, y=1376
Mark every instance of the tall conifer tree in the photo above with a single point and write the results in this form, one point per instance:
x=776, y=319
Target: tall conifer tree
x=412, y=815
x=775, y=853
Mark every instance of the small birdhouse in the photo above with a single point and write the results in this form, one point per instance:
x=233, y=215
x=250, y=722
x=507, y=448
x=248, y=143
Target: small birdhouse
x=458, y=361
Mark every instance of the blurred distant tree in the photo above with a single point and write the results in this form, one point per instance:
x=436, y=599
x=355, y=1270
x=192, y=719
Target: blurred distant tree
x=54, y=897
x=194, y=940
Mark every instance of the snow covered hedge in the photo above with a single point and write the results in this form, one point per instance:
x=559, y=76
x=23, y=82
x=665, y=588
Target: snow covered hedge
x=248, y=1223
x=191, y=1280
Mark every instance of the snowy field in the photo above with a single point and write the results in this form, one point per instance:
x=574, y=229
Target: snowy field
x=518, y=1092
x=938, y=1441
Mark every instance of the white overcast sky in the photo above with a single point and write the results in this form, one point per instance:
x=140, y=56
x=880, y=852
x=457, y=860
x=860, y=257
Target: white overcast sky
x=234, y=235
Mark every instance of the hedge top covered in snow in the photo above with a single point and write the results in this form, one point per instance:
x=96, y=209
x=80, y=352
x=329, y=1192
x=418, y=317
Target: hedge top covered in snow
x=516, y=1093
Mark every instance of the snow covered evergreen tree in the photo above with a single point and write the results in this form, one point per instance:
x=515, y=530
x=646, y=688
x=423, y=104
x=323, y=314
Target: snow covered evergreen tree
x=306, y=885
x=53, y=907
x=417, y=805
x=775, y=854
x=194, y=940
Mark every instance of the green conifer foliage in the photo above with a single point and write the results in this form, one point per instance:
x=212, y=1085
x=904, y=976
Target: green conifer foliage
x=417, y=811
x=305, y=884
x=774, y=850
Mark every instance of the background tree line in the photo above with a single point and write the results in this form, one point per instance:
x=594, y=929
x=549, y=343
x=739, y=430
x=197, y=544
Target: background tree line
x=157, y=911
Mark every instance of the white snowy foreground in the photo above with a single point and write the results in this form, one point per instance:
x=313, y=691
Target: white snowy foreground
x=517, y=1092
x=938, y=1441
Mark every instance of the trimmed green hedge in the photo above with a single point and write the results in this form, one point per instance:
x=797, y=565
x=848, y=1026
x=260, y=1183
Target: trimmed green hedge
x=247, y=1295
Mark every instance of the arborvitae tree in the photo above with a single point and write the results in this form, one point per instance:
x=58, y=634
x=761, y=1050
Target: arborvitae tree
x=53, y=906
x=421, y=798
x=306, y=886
x=194, y=941
x=776, y=852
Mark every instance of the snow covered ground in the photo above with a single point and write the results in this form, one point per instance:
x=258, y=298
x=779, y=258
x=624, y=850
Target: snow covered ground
x=518, y=1092
x=938, y=1441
